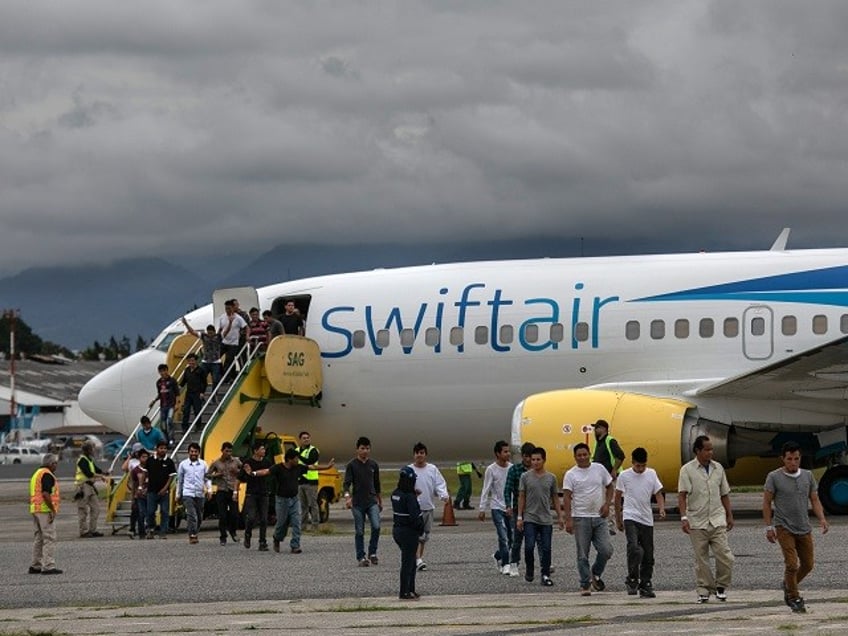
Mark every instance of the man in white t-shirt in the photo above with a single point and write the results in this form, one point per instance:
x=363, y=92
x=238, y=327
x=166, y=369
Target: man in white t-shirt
x=429, y=482
x=230, y=325
x=587, y=497
x=492, y=497
x=635, y=517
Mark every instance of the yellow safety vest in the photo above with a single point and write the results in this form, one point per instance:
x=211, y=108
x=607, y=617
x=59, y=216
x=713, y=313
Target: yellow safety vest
x=36, y=496
x=311, y=475
x=464, y=468
x=79, y=476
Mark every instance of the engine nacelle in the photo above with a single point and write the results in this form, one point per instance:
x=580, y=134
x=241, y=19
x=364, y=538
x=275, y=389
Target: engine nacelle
x=666, y=428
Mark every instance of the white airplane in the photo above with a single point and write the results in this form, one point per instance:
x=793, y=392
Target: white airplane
x=750, y=347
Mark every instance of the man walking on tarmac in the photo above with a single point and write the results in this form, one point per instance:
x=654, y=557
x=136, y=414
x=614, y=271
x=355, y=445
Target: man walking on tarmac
x=44, y=506
x=307, y=490
x=608, y=453
x=492, y=497
x=429, y=482
x=86, y=496
x=513, y=478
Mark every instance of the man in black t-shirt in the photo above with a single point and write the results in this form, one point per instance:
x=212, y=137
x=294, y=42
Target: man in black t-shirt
x=253, y=473
x=160, y=472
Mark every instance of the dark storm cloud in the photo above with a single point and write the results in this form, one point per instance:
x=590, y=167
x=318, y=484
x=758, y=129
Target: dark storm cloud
x=173, y=127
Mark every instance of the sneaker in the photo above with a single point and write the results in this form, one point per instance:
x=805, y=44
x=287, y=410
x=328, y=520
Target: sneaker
x=263, y=547
x=703, y=598
x=193, y=539
x=34, y=570
x=247, y=542
x=529, y=577
x=506, y=570
x=598, y=584
x=721, y=594
x=374, y=560
x=57, y=571
x=647, y=592
x=223, y=542
x=296, y=551
x=420, y=565
x=632, y=586
x=546, y=581
x=364, y=563
x=797, y=606
x=513, y=569
x=585, y=591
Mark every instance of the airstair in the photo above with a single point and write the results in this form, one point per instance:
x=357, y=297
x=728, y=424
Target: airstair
x=288, y=370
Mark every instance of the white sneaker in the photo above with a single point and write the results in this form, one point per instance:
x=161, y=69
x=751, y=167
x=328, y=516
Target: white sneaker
x=513, y=569
x=505, y=569
x=420, y=565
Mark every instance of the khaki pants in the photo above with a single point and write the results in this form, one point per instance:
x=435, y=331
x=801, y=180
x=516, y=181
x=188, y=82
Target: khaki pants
x=88, y=509
x=309, y=504
x=45, y=541
x=715, y=539
x=797, y=557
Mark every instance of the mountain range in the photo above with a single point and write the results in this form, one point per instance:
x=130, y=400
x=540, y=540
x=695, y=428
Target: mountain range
x=74, y=306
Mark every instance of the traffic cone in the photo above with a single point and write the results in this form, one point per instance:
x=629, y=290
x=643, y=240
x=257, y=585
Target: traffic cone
x=448, y=518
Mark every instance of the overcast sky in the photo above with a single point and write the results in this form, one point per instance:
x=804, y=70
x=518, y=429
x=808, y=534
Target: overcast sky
x=151, y=128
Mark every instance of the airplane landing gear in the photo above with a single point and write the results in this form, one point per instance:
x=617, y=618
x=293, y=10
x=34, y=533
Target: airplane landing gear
x=833, y=490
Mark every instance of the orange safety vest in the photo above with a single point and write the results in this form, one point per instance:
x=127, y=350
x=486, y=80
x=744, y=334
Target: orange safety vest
x=36, y=496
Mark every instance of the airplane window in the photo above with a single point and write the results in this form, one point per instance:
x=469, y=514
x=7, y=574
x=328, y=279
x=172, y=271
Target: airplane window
x=657, y=329
x=758, y=326
x=631, y=330
x=456, y=336
x=481, y=335
x=557, y=332
x=820, y=324
x=706, y=328
x=789, y=325
x=506, y=334
x=581, y=331
x=681, y=328
x=167, y=340
x=407, y=337
x=731, y=327
x=843, y=323
x=383, y=338
x=431, y=337
x=359, y=339
x=531, y=333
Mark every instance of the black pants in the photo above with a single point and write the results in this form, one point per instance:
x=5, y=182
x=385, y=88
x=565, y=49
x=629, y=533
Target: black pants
x=407, y=540
x=640, y=551
x=192, y=403
x=227, y=512
x=256, y=513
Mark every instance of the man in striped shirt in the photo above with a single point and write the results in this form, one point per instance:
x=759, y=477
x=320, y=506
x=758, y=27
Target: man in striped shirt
x=513, y=477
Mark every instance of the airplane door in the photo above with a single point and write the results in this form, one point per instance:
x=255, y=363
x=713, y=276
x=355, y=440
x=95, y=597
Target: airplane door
x=246, y=296
x=757, y=332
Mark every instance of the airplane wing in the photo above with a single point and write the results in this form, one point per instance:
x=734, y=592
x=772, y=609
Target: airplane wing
x=819, y=374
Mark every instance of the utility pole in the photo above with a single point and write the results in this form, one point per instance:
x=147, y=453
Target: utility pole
x=11, y=315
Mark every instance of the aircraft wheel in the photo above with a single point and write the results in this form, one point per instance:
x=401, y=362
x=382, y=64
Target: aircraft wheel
x=16, y=461
x=324, y=498
x=833, y=490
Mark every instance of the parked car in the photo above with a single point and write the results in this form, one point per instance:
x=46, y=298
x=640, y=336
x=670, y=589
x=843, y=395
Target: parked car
x=19, y=455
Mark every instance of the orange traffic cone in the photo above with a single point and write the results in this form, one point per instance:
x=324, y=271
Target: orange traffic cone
x=448, y=518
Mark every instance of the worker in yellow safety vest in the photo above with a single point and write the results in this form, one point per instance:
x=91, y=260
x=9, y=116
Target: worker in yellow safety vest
x=463, y=494
x=86, y=496
x=44, y=506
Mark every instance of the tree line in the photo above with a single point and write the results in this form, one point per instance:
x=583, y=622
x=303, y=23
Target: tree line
x=29, y=344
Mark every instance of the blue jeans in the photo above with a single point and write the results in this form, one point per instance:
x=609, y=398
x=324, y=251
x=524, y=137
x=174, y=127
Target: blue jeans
x=141, y=516
x=517, y=537
x=590, y=531
x=534, y=532
x=288, y=514
x=359, y=514
x=166, y=420
x=504, y=530
x=154, y=500
x=194, y=514
x=213, y=368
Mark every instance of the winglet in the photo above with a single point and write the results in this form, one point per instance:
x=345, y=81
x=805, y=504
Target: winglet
x=780, y=244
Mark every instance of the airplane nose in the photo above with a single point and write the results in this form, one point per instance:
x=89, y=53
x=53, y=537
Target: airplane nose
x=116, y=397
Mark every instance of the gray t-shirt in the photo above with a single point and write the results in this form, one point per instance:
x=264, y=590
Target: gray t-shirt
x=792, y=499
x=538, y=497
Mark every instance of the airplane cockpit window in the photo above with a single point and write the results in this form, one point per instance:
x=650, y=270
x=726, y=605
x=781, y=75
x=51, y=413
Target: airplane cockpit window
x=165, y=342
x=431, y=337
x=407, y=337
x=820, y=324
x=843, y=323
x=706, y=328
x=731, y=327
x=581, y=331
x=481, y=335
x=358, y=339
x=758, y=326
x=789, y=325
x=531, y=333
x=382, y=338
x=681, y=328
x=456, y=336
x=657, y=329
x=632, y=330
x=557, y=332
x=506, y=334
